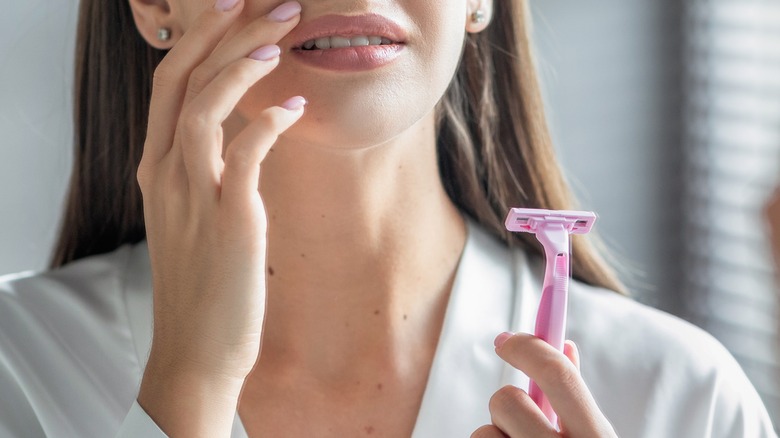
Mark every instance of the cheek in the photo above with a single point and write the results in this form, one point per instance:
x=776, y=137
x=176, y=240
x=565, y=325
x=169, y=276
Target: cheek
x=356, y=110
x=188, y=11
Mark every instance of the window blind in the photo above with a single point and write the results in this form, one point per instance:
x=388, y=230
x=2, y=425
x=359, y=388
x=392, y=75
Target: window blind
x=731, y=165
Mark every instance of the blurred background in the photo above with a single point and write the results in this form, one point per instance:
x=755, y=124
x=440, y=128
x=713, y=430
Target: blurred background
x=666, y=115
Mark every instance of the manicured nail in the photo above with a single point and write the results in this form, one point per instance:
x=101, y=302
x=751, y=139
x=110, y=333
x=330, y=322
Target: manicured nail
x=285, y=12
x=225, y=5
x=501, y=339
x=294, y=103
x=266, y=53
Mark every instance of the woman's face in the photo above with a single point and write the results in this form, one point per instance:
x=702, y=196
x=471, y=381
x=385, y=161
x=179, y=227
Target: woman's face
x=357, y=109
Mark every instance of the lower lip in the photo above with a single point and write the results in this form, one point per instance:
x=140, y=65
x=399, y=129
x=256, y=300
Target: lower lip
x=351, y=58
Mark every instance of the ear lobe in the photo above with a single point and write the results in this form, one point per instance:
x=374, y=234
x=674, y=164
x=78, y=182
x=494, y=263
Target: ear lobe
x=152, y=15
x=480, y=12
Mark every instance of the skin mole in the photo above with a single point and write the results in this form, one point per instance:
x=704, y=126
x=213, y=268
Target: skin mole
x=271, y=271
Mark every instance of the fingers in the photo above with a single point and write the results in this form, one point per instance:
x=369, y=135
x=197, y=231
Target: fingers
x=170, y=77
x=571, y=351
x=199, y=135
x=559, y=379
x=516, y=414
x=488, y=431
x=259, y=33
x=201, y=81
x=248, y=149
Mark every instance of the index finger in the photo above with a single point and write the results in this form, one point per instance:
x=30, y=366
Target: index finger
x=170, y=76
x=557, y=377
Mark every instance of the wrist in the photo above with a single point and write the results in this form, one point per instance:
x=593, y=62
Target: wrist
x=186, y=401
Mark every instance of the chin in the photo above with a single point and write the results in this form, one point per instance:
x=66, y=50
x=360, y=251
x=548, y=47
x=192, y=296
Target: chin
x=350, y=111
x=352, y=119
x=354, y=127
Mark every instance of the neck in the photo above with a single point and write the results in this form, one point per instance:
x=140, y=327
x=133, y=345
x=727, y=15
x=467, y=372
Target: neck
x=363, y=248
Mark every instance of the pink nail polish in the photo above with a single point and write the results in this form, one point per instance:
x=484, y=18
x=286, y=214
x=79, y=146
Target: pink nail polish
x=225, y=5
x=285, y=12
x=501, y=339
x=266, y=53
x=294, y=103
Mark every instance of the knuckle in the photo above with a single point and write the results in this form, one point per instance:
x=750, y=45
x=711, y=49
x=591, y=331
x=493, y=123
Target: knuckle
x=142, y=176
x=504, y=399
x=486, y=431
x=199, y=78
x=560, y=372
x=271, y=119
x=193, y=122
x=243, y=71
x=163, y=74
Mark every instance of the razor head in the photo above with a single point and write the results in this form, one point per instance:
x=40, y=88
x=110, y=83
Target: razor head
x=528, y=220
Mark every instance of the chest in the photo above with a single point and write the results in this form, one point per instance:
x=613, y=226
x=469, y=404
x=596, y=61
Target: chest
x=383, y=411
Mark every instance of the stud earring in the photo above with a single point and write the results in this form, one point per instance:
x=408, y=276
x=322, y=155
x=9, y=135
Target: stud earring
x=163, y=34
x=478, y=17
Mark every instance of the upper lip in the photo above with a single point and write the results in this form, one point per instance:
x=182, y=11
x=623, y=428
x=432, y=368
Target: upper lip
x=348, y=26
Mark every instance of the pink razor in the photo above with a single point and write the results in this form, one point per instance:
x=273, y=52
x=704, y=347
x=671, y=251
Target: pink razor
x=552, y=229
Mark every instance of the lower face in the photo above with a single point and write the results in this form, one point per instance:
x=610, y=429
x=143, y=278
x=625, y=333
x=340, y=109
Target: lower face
x=360, y=98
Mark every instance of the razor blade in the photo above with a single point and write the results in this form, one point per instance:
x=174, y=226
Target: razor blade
x=530, y=219
x=552, y=228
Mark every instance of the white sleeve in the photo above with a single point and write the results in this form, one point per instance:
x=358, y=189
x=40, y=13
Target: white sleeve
x=17, y=417
x=735, y=408
x=138, y=423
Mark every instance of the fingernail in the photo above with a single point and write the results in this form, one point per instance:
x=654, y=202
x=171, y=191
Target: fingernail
x=266, y=53
x=501, y=339
x=225, y=5
x=285, y=12
x=294, y=103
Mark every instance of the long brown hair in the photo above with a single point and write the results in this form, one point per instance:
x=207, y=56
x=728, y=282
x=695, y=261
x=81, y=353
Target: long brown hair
x=494, y=147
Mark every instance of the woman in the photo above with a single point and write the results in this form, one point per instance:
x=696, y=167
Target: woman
x=367, y=222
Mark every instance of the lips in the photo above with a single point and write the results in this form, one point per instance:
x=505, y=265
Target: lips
x=368, y=25
x=348, y=43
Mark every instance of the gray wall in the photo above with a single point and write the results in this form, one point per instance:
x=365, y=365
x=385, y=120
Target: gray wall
x=612, y=80
x=36, y=47
x=610, y=69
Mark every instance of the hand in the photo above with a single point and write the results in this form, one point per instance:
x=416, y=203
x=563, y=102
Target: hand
x=205, y=220
x=515, y=415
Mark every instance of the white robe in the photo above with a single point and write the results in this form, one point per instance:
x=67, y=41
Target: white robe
x=74, y=342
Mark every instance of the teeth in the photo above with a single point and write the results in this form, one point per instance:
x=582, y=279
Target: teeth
x=338, y=42
x=359, y=41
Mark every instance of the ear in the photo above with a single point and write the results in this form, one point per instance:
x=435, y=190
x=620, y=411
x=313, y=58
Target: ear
x=152, y=15
x=480, y=12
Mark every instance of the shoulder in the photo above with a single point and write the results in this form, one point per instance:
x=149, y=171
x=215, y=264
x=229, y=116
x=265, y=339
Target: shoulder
x=64, y=332
x=649, y=366
x=88, y=284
